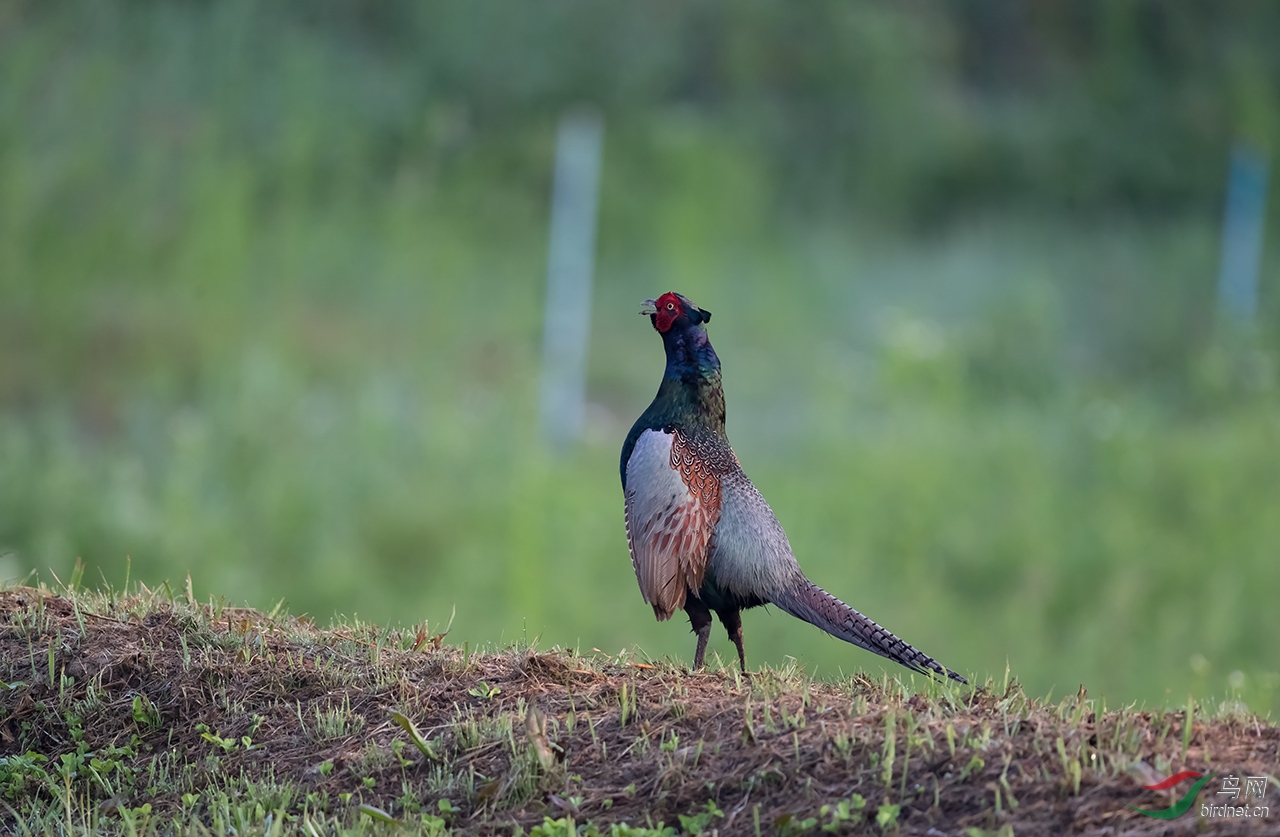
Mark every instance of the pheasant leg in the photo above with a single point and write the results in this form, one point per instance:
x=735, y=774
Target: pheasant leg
x=700, y=621
x=732, y=621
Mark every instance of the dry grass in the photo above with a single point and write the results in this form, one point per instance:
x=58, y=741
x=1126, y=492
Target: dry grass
x=154, y=712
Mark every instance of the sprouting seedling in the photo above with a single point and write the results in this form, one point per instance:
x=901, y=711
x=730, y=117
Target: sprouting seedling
x=145, y=713
x=887, y=755
x=1187, y=723
x=535, y=726
x=416, y=737
x=628, y=703
x=378, y=815
x=484, y=690
x=437, y=640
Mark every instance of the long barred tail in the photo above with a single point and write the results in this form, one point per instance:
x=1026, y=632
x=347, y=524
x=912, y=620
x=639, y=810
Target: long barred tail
x=816, y=606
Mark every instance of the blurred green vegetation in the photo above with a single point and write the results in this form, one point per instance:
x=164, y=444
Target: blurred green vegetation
x=271, y=296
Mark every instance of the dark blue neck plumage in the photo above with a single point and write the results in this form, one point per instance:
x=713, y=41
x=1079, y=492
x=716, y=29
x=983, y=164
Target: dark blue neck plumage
x=690, y=356
x=690, y=395
x=689, y=398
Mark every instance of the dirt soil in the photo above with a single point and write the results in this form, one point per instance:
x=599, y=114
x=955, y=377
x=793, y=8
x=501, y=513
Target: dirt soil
x=228, y=698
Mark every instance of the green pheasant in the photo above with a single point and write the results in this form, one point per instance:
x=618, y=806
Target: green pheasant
x=701, y=536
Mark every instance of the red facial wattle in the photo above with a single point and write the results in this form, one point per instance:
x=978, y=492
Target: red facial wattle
x=669, y=308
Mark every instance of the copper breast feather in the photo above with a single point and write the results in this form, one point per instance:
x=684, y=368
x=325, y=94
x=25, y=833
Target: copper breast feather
x=672, y=508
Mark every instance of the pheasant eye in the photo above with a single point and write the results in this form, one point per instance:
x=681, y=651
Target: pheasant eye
x=671, y=306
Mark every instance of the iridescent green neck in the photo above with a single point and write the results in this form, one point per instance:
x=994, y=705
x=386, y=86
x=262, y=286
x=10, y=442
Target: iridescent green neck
x=690, y=393
x=689, y=398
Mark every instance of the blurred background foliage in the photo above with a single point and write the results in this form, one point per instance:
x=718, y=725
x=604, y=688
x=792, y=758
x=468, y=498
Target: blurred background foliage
x=271, y=285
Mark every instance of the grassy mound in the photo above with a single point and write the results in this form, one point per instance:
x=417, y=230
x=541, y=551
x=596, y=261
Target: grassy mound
x=155, y=713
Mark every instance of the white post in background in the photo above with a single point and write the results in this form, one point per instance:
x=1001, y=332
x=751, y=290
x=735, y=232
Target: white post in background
x=1242, y=232
x=570, y=260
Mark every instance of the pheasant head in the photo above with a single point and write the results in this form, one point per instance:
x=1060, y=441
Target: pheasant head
x=673, y=311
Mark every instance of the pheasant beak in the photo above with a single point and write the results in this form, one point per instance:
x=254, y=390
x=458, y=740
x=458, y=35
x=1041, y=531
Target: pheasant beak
x=649, y=306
